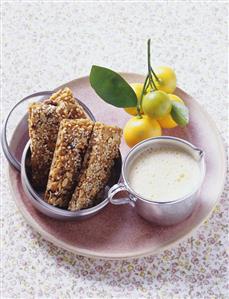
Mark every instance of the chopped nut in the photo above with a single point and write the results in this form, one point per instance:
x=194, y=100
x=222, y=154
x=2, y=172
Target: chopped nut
x=53, y=186
x=65, y=182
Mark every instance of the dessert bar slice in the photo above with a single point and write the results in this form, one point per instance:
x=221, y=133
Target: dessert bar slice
x=44, y=121
x=72, y=142
x=96, y=169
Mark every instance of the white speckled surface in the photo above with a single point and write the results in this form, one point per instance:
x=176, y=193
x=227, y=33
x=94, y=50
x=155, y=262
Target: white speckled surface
x=46, y=44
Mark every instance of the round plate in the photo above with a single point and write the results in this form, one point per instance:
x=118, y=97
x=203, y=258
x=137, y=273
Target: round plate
x=117, y=232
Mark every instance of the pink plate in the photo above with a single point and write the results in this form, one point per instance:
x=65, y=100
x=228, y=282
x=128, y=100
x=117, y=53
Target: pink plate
x=117, y=232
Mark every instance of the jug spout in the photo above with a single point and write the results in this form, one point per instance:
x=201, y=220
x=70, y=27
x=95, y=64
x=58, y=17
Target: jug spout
x=200, y=153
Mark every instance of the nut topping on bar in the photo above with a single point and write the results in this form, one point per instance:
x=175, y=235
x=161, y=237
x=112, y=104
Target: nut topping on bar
x=71, y=145
x=98, y=161
x=44, y=121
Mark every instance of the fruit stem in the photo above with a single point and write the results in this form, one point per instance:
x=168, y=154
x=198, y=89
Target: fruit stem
x=148, y=84
x=150, y=70
x=138, y=110
x=139, y=106
x=158, y=80
x=148, y=80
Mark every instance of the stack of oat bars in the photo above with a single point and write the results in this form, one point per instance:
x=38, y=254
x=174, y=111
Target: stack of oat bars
x=71, y=156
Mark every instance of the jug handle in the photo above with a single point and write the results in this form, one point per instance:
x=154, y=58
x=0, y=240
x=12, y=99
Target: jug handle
x=120, y=201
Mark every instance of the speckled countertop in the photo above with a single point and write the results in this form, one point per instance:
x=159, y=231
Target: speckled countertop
x=48, y=43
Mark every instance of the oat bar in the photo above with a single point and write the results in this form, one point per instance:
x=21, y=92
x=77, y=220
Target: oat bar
x=72, y=142
x=44, y=120
x=98, y=161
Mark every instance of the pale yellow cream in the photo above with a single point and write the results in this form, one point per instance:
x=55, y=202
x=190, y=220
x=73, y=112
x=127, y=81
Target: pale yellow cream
x=164, y=174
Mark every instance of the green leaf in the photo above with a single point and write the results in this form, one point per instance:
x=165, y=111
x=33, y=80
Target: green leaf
x=180, y=113
x=112, y=88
